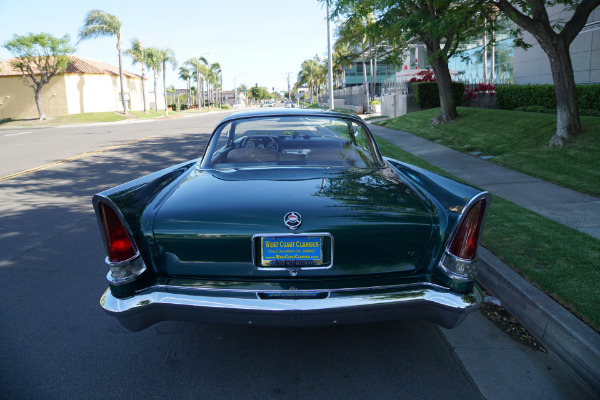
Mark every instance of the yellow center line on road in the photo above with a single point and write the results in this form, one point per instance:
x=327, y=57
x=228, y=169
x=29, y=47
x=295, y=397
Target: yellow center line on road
x=66, y=160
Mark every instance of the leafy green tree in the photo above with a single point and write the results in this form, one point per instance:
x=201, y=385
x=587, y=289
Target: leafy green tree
x=99, y=23
x=554, y=37
x=39, y=57
x=259, y=93
x=139, y=55
x=442, y=25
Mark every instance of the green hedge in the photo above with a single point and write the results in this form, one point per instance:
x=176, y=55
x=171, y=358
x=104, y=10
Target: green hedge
x=584, y=112
x=426, y=94
x=510, y=97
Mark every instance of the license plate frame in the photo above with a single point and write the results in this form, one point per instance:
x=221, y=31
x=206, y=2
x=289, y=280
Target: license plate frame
x=295, y=251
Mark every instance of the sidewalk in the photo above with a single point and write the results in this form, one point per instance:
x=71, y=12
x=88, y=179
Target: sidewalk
x=568, y=207
x=574, y=343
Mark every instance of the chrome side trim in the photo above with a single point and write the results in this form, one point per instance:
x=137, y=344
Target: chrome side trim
x=408, y=286
x=453, y=275
x=136, y=262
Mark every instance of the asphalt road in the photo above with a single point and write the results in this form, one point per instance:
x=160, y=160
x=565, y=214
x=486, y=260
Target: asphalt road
x=57, y=343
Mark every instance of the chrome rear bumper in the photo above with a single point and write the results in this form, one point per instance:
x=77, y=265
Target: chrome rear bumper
x=348, y=306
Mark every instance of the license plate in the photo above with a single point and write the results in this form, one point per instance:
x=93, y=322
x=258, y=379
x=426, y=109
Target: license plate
x=292, y=251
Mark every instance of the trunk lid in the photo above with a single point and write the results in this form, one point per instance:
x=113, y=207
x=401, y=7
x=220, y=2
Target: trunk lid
x=372, y=220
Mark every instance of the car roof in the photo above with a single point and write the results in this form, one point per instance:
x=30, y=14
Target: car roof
x=277, y=112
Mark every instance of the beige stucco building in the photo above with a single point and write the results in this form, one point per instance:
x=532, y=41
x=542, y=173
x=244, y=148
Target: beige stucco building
x=86, y=86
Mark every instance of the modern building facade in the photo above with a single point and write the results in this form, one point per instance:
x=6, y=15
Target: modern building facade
x=354, y=75
x=532, y=65
x=509, y=64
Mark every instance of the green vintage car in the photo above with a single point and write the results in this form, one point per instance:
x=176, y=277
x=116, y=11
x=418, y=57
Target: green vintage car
x=291, y=218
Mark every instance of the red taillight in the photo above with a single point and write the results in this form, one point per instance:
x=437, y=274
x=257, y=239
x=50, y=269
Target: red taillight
x=464, y=244
x=119, y=245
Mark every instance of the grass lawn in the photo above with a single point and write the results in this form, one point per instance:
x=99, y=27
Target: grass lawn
x=561, y=261
x=517, y=140
x=85, y=118
x=88, y=118
x=374, y=118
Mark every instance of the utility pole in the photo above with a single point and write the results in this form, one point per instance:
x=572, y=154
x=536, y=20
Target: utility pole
x=330, y=59
x=289, y=77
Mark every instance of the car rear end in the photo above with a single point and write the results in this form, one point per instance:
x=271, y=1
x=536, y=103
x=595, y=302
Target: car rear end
x=293, y=245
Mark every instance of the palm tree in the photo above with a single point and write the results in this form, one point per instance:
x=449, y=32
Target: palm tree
x=204, y=73
x=344, y=56
x=194, y=91
x=321, y=75
x=184, y=74
x=97, y=24
x=166, y=56
x=153, y=61
x=215, y=70
x=171, y=90
x=194, y=67
x=354, y=32
x=138, y=54
x=309, y=75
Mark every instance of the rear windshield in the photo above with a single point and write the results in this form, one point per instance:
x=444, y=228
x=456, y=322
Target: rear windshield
x=291, y=141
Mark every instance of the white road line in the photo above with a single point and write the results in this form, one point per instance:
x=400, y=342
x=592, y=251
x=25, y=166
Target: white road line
x=16, y=134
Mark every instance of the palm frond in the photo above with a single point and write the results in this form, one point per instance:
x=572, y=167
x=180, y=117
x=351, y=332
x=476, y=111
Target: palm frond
x=98, y=23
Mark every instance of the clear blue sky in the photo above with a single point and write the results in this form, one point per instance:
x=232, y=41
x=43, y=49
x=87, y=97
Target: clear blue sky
x=254, y=41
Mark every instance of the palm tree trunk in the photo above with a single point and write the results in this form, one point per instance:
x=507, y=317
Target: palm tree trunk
x=199, y=83
x=484, y=51
x=165, y=87
x=375, y=83
x=371, y=76
x=365, y=83
x=120, y=48
x=203, y=97
x=144, y=87
x=155, y=89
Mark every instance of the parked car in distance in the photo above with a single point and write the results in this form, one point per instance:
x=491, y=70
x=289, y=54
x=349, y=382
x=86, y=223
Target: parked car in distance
x=291, y=218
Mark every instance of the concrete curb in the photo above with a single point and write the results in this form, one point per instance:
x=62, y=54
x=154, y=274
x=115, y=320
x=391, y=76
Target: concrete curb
x=573, y=342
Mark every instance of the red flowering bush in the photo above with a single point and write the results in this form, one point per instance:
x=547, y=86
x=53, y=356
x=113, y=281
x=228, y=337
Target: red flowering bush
x=423, y=76
x=472, y=91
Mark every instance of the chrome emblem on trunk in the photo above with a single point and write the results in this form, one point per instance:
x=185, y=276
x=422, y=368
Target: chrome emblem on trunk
x=292, y=220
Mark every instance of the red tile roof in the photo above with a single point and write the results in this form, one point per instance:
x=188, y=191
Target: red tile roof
x=78, y=65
